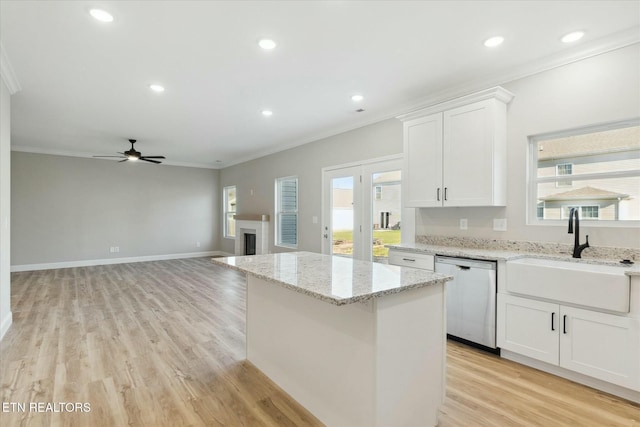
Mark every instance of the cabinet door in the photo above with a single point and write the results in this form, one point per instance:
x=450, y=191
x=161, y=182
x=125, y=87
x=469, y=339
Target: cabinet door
x=528, y=327
x=468, y=151
x=601, y=345
x=422, y=176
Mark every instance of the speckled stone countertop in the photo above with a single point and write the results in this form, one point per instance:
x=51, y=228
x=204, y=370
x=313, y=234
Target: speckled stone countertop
x=333, y=279
x=500, y=255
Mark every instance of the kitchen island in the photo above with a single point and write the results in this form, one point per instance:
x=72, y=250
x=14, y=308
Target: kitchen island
x=357, y=343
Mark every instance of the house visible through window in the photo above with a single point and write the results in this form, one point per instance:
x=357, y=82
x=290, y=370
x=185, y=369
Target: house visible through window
x=604, y=164
x=286, y=226
x=229, y=201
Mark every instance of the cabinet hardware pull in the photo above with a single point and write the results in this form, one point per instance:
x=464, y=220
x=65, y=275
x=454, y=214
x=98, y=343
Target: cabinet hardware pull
x=552, y=316
x=564, y=324
x=438, y=194
x=445, y=194
x=408, y=259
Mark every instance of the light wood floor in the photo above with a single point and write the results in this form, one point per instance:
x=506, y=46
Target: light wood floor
x=162, y=344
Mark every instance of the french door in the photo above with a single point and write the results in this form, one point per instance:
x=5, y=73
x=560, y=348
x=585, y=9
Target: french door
x=362, y=209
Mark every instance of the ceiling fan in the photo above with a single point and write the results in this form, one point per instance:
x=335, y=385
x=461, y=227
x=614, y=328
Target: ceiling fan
x=134, y=155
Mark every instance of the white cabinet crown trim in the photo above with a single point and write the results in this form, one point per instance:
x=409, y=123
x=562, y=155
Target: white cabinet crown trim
x=497, y=92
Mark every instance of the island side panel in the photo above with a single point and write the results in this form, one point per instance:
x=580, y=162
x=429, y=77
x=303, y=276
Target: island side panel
x=411, y=357
x=321, y=354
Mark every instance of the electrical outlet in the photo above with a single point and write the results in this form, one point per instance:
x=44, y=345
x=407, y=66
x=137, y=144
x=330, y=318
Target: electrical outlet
x=197, y=244
x=464, y=224
x=116, y=249
x=111, y=249
x=499, y=224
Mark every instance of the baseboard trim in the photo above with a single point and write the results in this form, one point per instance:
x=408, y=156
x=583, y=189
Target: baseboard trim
x=6, y=323
x=107, y=261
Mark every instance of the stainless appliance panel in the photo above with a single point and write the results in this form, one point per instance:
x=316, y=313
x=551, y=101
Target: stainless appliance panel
x=471, y=299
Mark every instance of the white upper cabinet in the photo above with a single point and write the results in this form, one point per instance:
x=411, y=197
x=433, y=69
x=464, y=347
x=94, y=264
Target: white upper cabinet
x=423, y=161
x=455, y=152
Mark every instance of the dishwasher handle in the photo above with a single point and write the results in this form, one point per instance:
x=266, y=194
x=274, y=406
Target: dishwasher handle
x=465, y=263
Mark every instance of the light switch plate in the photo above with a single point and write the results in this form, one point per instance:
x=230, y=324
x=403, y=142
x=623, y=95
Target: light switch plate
x=499, y=224
x=464, y=224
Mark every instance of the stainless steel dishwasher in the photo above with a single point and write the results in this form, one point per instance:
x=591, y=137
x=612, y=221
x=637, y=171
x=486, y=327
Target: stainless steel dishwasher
x=471, y=300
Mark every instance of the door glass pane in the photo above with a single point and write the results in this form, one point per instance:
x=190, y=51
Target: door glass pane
x=386, y=211
x=342, y=216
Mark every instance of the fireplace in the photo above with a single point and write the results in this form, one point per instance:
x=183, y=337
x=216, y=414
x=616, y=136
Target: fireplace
x=252, y=232
x=249, y=243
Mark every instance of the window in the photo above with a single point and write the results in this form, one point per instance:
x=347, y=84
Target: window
x=286, y=226
x=540, y=210
x=229, y=201
x=586, y=212
x=378, y=189
x=603, y=163
x=563, y=169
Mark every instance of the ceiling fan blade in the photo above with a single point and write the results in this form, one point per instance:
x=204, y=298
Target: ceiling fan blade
x=119, y=157
x=153, y=157
x=123, y=160
x=147, y=160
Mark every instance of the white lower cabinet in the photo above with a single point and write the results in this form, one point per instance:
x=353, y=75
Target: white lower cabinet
x=600, y=345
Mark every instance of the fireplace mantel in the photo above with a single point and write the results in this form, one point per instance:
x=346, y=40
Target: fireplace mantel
x=252, y=217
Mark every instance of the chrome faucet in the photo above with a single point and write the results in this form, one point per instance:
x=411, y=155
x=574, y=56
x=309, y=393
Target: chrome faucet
x=577, y=247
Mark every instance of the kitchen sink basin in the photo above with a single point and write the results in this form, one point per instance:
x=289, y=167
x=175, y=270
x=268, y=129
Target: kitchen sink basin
x=598, y=286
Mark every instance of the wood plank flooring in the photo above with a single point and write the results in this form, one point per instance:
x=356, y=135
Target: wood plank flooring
x=162, y=344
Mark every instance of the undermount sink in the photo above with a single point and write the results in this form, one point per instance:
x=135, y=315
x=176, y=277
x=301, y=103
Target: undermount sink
x=599, y=286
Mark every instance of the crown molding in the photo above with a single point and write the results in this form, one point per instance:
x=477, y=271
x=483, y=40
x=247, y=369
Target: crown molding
x=70, y=153
x=497, y=93
x=6, y=71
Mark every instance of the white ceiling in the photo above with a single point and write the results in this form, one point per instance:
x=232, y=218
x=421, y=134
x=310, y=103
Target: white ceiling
x=85, y=83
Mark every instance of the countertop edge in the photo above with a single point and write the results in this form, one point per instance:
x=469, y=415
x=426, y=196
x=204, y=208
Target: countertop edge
x=498, y=255
x=341, y=301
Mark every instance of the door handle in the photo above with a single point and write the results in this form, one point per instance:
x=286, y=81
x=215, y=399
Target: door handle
x=552, y=319
x=438, y=194
x=409, y=259
x=463, y=267
x=445, y=194
x=326, y=235
x=564, y=324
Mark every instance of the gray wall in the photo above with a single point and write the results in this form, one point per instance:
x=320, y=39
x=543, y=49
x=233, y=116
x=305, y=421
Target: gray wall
x=599, y=89
x=72, y=209
x=306, y=161
x=5, y=209
x=595, y=90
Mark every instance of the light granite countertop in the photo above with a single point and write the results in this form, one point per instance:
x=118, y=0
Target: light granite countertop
x=500, y=255
x=337, y=280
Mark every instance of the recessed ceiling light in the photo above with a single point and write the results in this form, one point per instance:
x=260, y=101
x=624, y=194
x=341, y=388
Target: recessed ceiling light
x=572, y=37
x=493, y=41
x=357, y=98
x=101, y=15
x=156, y=88
x=267, y=113
x=267, y=44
